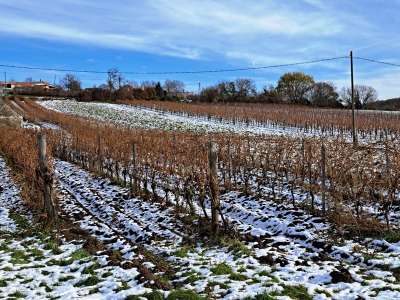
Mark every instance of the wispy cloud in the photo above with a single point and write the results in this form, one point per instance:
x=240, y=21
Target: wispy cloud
x=188, y=29
x=232, y=32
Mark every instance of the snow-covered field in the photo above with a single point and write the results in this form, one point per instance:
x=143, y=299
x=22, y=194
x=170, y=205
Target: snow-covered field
x=280, y=251
x=289, y=253
x=36, y=266
x=138, y=117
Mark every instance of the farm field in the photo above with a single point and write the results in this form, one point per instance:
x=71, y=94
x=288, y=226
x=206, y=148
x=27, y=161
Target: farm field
x=266, y=120
x=289, y=213
x=144, y=117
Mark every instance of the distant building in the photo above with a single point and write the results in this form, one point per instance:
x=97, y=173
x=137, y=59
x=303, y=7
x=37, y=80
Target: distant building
x=13, y=86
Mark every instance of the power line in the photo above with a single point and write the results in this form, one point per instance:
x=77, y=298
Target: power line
x=378, y=61
x=177, y=72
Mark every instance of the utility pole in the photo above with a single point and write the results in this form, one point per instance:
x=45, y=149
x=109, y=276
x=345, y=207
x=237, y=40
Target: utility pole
x=5, y=84
x=353, y=106
x=199, y=87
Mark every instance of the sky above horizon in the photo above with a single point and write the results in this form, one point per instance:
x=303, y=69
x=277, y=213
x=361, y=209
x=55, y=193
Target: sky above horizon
x=181, y=35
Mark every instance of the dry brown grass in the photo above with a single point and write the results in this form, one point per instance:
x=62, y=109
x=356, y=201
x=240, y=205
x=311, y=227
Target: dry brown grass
x=177, y=162
x=309, y=118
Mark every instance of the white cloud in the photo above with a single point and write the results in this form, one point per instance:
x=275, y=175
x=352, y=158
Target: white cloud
x=189, y=29
x=232, y=32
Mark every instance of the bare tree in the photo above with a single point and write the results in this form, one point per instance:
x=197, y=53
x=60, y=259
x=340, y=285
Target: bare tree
x=245, y=88
x=148, y=84
x=363, y=95
x=114, y=79
x=71, y=83
x=173, y=87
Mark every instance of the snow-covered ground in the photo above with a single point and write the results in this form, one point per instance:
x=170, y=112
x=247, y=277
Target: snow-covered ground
x=289, y=252
x=139, y=117
x=35, y=266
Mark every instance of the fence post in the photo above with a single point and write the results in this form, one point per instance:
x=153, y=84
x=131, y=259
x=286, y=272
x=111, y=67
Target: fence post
x=47, y=178
x=99, y=160
x=214, y=187
x=134, y=171
x=323, y=176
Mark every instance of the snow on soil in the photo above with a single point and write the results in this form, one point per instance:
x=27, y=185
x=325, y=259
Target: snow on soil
x=289, y=248
x=139, y=117
x=35, y=267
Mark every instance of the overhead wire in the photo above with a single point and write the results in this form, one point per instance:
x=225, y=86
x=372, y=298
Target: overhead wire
x=175, y=72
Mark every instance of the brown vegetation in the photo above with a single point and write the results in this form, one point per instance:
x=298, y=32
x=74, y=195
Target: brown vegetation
x=331, y=121
x=177, y=163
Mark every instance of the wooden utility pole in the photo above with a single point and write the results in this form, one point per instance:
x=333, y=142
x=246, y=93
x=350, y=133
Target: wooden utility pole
x=46, y=176
x=353, y=105
x=214, y=186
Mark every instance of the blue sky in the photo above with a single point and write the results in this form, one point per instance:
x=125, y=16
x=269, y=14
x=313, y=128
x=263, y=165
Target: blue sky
x=179, y=35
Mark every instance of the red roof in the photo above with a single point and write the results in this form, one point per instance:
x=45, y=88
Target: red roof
x=26, y=84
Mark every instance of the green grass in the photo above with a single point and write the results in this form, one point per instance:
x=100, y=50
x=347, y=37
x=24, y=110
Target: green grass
x=222, y=269
x=237, y=247
x=154, y=295
x=192, y=278
x=91, y=270
x=66, y=278
x=184, y=295
x=92, y=280
x=242, y=269
x=19, y=257
x=263, y=273
x=264, y=296
x=132, y=297
x=17, y=295
x=37, y=253
x=107, y=274
x=183, y=251
x=61, y=262
x=4, y=247
x=238, y=277
x=296, y=292
x=46, y=287
x=80, y=254
x=392, y=237
x=52, y=245
x=22, y=222
x=3, y=283
x=319, y=292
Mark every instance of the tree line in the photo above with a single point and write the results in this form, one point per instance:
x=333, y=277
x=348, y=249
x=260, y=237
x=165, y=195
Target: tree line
x=291, y=88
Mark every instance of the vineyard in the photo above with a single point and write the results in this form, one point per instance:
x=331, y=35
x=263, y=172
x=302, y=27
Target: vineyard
x=330, y=121
x=210, y=202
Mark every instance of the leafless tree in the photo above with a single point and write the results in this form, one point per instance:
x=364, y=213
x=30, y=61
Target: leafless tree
x=114, y=79
x=173, y=87
x=363, y=95
x=245, y=88
x=71, y=83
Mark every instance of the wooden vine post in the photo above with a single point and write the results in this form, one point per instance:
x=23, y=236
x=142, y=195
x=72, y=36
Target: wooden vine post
x=46, y=176
x=323, y=177
x=134, y=183
x=99, y=160
x=214, y=187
